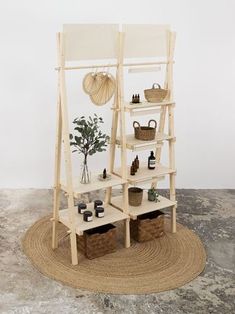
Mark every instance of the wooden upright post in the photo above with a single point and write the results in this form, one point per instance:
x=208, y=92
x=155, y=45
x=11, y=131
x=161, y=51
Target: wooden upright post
x=67, y=151
x=57, y=171
x=56, y=203
x=123, y=136
x=171, y=132
x=167, y=85
x=113, y=138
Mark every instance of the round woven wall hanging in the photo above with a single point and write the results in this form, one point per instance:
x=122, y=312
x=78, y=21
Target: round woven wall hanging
x=106, y=90
x=92, y=82
x=166, y=263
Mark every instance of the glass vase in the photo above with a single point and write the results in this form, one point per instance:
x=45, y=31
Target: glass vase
x=85, y=173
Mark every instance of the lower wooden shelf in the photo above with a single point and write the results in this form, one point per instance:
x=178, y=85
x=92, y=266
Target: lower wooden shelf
x=112, y=215
x=145, y=207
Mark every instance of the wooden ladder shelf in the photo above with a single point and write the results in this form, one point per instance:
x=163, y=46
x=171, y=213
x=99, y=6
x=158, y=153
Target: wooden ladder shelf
x=116, y=208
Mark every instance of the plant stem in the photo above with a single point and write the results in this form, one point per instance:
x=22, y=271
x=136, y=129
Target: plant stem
x=85, y=177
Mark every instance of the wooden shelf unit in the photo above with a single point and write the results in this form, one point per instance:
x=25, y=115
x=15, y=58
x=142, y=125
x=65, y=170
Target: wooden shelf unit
x=80, y=42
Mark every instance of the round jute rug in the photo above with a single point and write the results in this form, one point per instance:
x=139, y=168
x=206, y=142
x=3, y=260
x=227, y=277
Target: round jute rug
x=162, y=264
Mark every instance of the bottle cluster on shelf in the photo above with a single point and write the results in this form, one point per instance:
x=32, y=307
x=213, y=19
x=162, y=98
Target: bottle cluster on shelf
x=134, y=166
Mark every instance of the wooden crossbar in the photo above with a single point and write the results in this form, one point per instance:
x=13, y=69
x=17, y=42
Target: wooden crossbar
x=113, y=65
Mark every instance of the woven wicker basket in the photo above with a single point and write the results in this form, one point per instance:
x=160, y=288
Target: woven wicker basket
x=135, y=196
x=98, y=241
x=145, y=133
x=155, y=94
x=148, y=226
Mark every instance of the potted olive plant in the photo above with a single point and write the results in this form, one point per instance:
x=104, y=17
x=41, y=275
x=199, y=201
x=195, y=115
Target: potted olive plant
x=152, y=195
x=88, y=139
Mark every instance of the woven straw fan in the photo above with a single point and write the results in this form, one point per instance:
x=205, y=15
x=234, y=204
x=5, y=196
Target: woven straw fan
x=92, y=82
x=106, y=90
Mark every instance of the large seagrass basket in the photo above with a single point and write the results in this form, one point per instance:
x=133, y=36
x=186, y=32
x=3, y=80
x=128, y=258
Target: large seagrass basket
x=155, y=94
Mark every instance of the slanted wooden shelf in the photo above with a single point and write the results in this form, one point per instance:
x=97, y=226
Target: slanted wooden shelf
x=94, y=184
x=146, y=106
x=80, y=42
x=145, y=207
x=112, y=215
x=144, y=174
x=135, y=145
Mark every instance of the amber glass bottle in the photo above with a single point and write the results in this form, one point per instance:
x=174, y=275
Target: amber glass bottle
x=151, y=161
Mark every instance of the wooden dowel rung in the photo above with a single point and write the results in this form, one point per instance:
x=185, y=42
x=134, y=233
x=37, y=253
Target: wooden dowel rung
x=95, y=66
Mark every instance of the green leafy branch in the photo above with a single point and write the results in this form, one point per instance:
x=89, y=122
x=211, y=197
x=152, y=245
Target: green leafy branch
x=88, y=138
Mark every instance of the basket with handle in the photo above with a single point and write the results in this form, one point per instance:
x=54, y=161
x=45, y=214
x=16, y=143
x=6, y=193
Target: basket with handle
x=155, y=94
x=145, y=133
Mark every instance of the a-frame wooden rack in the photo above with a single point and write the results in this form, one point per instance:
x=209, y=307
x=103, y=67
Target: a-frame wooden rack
x=83, y=42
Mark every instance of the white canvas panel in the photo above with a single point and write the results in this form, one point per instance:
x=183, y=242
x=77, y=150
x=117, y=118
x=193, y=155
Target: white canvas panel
x=90, y=41
x=145, y=40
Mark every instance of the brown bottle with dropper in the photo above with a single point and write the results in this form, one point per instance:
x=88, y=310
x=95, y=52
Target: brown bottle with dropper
x=137, y=162
x=134, y=166
x=132, y=171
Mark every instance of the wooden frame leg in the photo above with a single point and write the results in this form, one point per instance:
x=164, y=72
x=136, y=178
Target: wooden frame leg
x=56, y=201
x=172, y=197
x=127, y=232
x=159, y=149
x=55, y=217
x=108, y=193
x=73, y=243
x=173, y=219
x=73, y=237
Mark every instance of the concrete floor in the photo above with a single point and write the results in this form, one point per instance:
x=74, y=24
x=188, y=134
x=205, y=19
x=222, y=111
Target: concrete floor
x=211, y=213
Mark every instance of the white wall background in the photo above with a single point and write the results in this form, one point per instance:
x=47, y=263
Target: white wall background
x=204, y=84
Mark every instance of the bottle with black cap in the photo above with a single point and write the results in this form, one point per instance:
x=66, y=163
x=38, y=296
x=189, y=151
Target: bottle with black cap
x=151, y=161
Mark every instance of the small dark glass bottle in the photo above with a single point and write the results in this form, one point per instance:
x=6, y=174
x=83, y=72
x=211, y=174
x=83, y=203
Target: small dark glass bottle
x=137, y=162
x=104, y=173
x=136, y=98
x=132, y=171
x=134, y=166
x=151, y=161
